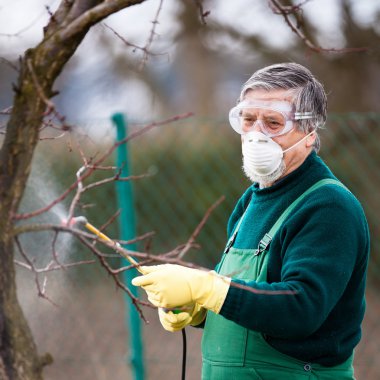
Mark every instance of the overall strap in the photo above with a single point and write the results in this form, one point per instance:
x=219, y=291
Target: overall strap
x=265, y=241
x=233, y=236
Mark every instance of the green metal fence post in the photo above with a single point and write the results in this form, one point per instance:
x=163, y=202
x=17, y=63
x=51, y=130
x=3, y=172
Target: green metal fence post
x=127, y=232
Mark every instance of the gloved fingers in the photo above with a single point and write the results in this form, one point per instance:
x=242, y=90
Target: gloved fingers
x=156, y=300
x=143, y=280
x=159, y=299
x=168, y=268
x=198, y=315
x=173, y=322
x=148, y=268
x=189, y=309
x=170, y=285
x=158, y=273
x=153, y=268
x=173, y=318
x=152, y=274
x=155, y=297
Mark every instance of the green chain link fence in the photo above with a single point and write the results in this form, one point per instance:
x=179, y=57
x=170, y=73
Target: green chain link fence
x=195, y=163
x=190, y=165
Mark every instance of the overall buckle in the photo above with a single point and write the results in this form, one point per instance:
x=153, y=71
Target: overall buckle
x=263, y=244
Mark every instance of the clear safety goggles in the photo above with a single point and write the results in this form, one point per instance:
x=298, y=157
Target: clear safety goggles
x=273, y=118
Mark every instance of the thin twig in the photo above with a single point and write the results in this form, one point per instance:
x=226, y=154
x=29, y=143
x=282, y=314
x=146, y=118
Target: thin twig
x=109, y=221
x=41, y=290
x=136, y=302
x=115, y=178
x=101, y=167
x=24, y=29
x=53, y=245
x=6, y=111
x=151, y=37
x=130, y=44
x=203, y=14
x=9, y=63
x=144, y=49
x=137, y=239
x=53, y=138
x=198, y=229
x=50, y=105
x=53, y=268
x=286, y=11
x=78, y=193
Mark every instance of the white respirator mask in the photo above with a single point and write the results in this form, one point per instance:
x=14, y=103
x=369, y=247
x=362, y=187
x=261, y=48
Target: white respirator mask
x=262, y=154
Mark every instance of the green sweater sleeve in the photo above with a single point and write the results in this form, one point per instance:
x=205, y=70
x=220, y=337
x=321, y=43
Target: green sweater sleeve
x=320, y=254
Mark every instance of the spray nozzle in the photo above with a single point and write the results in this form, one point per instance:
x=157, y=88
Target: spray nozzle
x=82, y=220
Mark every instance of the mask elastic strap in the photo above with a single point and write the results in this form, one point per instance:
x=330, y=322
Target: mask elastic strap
x=298, y=142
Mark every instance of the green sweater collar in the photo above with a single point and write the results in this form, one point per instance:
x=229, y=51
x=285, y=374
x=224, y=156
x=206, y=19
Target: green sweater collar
x=311, y=170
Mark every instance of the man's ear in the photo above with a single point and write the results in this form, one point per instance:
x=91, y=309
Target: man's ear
x=310, y=140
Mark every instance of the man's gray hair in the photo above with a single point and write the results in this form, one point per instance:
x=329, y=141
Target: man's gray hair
x=309, y=95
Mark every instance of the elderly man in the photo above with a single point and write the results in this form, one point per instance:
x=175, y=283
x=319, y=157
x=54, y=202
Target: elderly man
x=286, y=300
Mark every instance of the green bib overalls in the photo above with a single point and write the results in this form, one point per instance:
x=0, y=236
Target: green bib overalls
x=232, y=352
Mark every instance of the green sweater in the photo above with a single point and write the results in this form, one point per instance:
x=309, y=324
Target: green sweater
x=321, y=252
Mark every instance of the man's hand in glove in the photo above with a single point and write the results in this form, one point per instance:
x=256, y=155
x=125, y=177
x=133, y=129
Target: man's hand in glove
x=171, y=286
x=174, y=321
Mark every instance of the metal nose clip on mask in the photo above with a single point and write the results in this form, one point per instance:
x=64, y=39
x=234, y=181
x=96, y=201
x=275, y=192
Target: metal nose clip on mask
x=262, y=154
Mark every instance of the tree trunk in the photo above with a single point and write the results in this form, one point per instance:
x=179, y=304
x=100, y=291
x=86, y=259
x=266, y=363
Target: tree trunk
x=39, y=69
x=18, y=353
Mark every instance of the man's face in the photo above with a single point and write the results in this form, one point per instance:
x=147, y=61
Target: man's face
x=297, y=155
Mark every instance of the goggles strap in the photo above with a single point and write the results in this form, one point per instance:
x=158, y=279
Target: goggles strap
x=303, y=115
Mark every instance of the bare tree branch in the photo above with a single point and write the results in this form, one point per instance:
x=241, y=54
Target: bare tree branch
x=25, y=28
x=6, y=111
x=109, y=221
x=62, y=11
x=146, y=48
x=90, y=170
x=151, y=37
x=77, y=194
x=287, y=11
x=93, y=16
x=130, y=44
x=202, y=13
x=145, y=258
x=53, y=247
x=136, y=302
x=198, y=229
x=49, y=104
x=9, y=63
x=116, y=177
x=41, y=289
x=51, y=268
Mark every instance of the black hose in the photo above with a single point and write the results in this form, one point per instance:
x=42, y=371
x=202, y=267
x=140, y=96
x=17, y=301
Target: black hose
x=183, y=354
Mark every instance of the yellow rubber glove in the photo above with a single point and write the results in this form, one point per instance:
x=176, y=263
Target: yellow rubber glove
x=173, y=322
x=170, y=286
x=177, y=321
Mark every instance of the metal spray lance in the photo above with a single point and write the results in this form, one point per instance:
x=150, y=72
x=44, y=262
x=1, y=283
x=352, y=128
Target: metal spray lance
x=82, y=220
